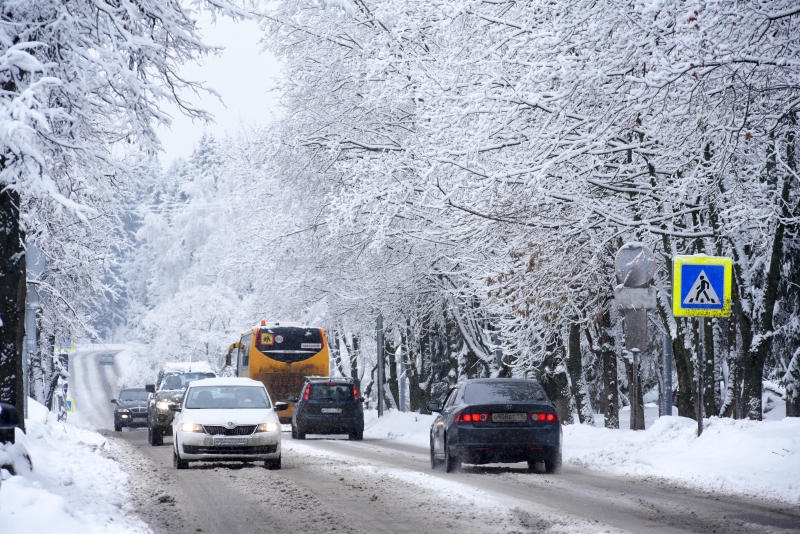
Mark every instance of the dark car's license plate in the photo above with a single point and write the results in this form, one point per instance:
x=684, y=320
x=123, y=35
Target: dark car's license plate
x=509, y=417
x=331, y=410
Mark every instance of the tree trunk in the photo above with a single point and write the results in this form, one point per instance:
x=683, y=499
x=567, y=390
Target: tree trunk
x=732, y=403
x=417, y=400
x=685, y=371
x=355, y=352
x=337, y=351
x=576, y=378
x=792, y=381
x=391, y=380
x=610, y=386
x=12, y=303
x=754, y=365
x=554, y=379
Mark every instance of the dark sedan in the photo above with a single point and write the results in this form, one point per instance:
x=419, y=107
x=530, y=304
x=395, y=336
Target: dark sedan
x=494, y=420
x=130, y=408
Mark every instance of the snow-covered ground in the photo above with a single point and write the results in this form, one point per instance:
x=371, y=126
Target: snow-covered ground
x=77, y=486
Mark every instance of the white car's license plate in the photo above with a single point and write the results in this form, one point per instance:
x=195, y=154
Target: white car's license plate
x=331, y=410
x=509, y=417
x=229, y=442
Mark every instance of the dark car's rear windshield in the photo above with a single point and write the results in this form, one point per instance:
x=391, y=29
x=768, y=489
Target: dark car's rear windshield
x=331, y=391
x=133, y=394
x=502, y=391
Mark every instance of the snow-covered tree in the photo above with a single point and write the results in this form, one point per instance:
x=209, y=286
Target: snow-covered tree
x=82, y=85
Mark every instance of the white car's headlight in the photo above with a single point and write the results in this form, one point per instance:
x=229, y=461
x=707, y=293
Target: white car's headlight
x=162, y=405
x=191, y=427
x=268, y=427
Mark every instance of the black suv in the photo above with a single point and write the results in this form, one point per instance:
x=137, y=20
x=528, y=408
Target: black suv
x=130, y=408
x=168, y=391
x=328, y=406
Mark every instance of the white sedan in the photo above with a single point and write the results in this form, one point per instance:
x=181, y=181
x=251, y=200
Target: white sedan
x=227, y=419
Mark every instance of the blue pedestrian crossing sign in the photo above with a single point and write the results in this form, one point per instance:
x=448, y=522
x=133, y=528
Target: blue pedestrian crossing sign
x=701, y=286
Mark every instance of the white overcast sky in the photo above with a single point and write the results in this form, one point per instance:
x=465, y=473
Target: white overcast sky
x=242, y=74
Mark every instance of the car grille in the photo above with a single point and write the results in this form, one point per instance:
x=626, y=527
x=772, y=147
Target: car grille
x=138, y=411
x=236, y=449
x=219, y=430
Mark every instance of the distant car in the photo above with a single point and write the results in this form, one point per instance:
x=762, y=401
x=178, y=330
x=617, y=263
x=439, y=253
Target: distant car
x=168, y=390
x=494, y=420
x=130, y=408
x=228, y=418
x=106, y=359
x=328, y=406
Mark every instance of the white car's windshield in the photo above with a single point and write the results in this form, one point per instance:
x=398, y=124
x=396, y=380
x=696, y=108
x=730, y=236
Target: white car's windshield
x=216, y=397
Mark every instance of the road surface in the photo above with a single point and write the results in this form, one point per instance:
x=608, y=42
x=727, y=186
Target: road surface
x=330, y=484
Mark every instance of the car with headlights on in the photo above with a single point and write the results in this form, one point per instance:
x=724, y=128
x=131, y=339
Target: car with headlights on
x=227, y=419
x=130, y=409
x=496, y=420
x=168, y=390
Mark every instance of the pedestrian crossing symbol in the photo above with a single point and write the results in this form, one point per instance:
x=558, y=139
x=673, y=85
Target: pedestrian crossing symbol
x=702, y=286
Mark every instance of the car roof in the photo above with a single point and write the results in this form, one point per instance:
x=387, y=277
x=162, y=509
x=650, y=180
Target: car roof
x=226, y=381
x=495, y=380
x=186, y=367
x=317, y=379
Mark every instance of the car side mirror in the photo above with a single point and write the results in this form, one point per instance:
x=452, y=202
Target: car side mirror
x=113, y=401
x=280, y=406
x=434, y=407
x=175, y=407
x=150, y=388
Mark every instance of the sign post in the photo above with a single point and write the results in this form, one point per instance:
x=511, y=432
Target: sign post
x=635, y=266
x=701, y=288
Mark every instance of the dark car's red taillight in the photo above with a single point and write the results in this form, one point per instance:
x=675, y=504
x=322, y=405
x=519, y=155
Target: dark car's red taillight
x=472, y=417
x=307, y=392
x=544, y=417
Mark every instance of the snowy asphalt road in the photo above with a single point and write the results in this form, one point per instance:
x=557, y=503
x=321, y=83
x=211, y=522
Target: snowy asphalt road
x=335, y=485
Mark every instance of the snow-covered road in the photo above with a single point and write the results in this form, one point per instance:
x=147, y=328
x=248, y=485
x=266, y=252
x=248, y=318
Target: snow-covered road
x=385, y=484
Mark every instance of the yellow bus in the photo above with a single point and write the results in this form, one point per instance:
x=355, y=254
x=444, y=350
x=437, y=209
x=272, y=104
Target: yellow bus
x=281, y=355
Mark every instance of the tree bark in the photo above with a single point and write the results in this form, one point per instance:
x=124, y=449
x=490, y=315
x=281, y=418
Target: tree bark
x=754, y=365
x=685, y=371
x=554, y=379
x=576, y=378
x=12, y=303
x=792, y=381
